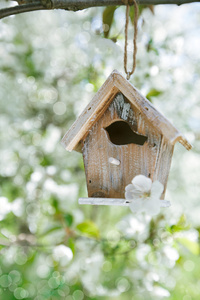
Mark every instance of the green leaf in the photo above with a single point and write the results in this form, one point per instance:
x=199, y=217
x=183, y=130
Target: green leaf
x=141, y=7
x=192, y=246
x=180, y=226
x=151, y=47
x=89, y=228
x=55, y=204
x=153, y=93
x=182, y=223
x=132, y=12
x=71, y=244
x=108, y=15
x=69, y=219
x=47, y=161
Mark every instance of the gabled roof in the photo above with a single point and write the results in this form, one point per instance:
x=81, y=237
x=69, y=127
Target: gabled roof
x=114, y=84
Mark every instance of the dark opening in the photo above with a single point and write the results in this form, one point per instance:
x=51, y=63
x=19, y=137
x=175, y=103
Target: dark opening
x=120, y=133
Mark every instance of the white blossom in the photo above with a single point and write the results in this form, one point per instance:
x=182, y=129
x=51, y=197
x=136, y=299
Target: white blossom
x=5, y=207
x=62, y=254
x=143, y=195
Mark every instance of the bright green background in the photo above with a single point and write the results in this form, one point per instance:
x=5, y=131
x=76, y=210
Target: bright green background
x=52, y=63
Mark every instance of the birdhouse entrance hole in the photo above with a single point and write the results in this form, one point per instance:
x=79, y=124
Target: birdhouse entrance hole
x=120, y=133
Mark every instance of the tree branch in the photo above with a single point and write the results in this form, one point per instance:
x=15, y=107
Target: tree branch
x=5, y=12
x=74, y=5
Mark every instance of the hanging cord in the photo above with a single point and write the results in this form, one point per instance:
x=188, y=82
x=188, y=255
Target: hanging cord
x=129, y=73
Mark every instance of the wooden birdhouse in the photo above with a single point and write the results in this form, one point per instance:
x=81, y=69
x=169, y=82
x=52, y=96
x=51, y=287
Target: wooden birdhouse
x=121, y=135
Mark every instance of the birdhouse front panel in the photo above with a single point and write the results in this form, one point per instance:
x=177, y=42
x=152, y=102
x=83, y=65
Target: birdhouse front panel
x=119, y=146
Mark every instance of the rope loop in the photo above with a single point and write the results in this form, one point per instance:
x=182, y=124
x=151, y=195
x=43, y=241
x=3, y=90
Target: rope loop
x=128, y=3
x=128, y=75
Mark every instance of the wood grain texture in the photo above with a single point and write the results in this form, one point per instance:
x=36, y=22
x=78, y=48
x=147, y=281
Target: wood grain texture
x=104, y=178
x=90, y=115
x=149, y=112
x=163, y=163
x=117, y=101
x=96, y=108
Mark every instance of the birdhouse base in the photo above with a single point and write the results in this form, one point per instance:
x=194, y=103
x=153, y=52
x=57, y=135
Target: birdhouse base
x=114, y=201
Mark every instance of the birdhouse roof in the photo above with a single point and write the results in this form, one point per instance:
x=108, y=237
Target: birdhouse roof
x=95, y=109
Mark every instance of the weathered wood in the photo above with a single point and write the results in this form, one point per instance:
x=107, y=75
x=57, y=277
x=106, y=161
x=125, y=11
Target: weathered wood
x=155, y=118
x=96, y=108
x=114, y=201
x=122, y=135
x=90, y=115
x=110, y=180
x=163, y=163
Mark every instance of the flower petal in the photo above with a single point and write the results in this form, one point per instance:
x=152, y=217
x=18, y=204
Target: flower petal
x=157, y=189
x=136, y=206
x=142, y=183
x=132, y=193
x=128, y=195
x=128, y=191
x=129, y=187
x=152, y=207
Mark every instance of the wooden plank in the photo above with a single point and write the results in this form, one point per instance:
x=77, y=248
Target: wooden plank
x=90, y=115
x=163, y=163
x=114, y=201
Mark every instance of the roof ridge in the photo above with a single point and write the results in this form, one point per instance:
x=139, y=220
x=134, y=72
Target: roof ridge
x=97, y=106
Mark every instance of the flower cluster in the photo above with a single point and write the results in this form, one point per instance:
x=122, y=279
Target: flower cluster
x=143, y=195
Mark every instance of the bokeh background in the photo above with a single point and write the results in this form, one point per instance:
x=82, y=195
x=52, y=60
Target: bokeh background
x=51, y=65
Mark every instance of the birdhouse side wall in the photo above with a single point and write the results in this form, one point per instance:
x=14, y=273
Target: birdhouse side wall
x=163, y=164
x=106, y=178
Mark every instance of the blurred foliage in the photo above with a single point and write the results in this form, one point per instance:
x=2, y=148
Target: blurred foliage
x=108, y=17
x=52, y=63
x=89, y=229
